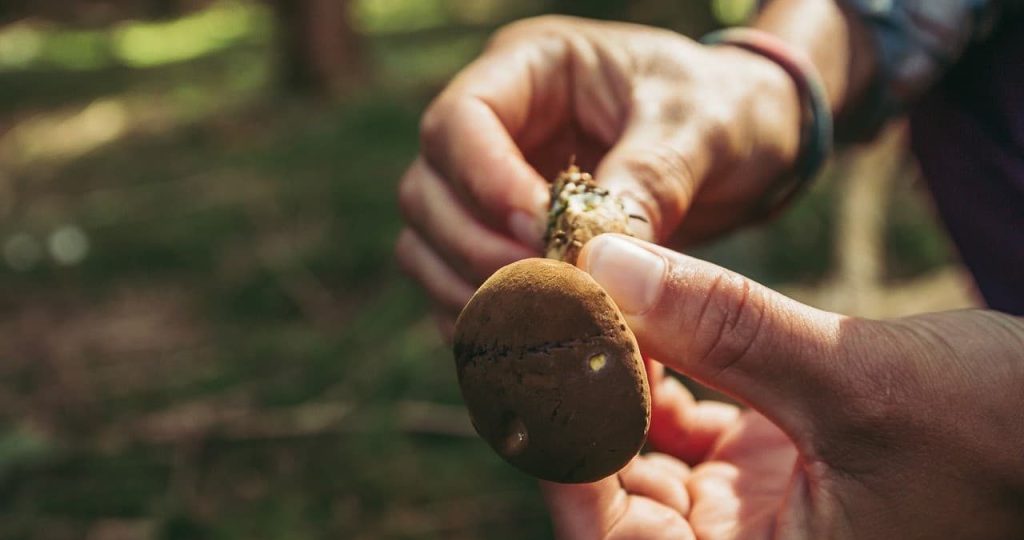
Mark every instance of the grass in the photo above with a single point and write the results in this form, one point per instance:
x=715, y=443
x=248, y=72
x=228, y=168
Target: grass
x=237, y=356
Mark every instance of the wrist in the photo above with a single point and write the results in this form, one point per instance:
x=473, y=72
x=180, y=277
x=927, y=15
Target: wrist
x=834, y=39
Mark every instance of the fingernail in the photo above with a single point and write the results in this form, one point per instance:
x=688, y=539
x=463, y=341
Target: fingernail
x=632, y=275
x=528, y=227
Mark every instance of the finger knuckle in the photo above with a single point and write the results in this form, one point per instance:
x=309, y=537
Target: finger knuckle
x=469, y=255
x=729, y=323
x=405, y=252
x=657, y=517
x=507, y=33
x=408, y=196
x=516, y=30
x=657, y=164
x=433, y=125
x=716, y=124
x=664, y=172
x=489, y=195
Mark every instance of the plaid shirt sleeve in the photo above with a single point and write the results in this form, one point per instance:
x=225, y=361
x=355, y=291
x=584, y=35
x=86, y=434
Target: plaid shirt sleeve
x=916, y=42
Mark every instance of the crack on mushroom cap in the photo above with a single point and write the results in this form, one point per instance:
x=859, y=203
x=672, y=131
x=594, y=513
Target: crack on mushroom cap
x=494, y=352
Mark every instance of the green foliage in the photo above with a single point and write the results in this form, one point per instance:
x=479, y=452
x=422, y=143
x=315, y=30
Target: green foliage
x=134, y=44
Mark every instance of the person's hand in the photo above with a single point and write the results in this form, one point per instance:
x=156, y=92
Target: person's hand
x=676, y=128
x=908, y=428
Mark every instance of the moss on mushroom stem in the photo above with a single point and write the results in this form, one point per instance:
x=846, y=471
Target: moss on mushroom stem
x=580, y=210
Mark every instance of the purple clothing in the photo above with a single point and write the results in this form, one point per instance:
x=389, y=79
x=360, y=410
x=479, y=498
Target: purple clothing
x=968, y=134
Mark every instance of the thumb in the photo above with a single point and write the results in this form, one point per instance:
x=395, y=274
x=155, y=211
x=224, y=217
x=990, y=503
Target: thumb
x=781, y=357
x=654, y=167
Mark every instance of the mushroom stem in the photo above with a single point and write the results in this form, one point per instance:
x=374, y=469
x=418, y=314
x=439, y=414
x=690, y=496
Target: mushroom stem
x=580, y=210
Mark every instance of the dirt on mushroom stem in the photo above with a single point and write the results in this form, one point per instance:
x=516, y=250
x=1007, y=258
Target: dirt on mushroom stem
x=580, y=210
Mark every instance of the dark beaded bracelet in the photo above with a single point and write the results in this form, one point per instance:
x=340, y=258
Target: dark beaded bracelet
x=816, y=116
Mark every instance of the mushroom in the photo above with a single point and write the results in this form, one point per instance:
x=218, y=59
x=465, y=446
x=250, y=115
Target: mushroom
x=550, y=372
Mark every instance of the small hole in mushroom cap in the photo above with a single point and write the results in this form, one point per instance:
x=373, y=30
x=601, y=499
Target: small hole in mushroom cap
x=598, y=361
x=516, y=437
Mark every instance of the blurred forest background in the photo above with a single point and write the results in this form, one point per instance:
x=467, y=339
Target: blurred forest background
x=202, y=332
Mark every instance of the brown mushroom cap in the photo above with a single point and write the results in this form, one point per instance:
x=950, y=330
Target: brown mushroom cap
x=552, y=376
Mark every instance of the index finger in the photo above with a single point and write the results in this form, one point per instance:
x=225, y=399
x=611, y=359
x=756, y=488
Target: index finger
x=472, y=136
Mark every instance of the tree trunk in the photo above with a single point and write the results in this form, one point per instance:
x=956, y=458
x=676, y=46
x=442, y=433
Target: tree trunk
x=319, y=52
